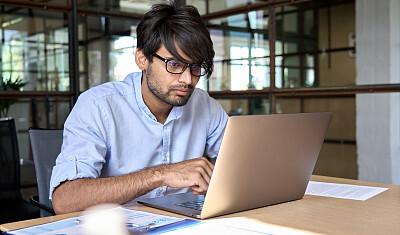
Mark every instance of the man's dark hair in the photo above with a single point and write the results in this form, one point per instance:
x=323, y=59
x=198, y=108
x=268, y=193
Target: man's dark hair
x=180, y=25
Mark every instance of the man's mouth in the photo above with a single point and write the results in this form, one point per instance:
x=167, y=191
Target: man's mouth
x=182, y=92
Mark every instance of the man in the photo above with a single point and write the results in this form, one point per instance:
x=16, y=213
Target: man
x=144, y=137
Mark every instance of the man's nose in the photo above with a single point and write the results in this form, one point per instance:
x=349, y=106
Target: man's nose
x=186, y=76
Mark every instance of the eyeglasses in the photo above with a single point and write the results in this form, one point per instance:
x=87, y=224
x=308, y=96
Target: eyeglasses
x=177, y=67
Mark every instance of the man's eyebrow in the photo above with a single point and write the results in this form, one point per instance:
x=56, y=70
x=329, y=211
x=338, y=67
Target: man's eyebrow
x=174, y=58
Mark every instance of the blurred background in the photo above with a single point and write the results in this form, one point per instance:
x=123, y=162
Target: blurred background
x=280, y=56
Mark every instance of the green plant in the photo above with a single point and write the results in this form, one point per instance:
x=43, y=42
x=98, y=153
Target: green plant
x=9, y=85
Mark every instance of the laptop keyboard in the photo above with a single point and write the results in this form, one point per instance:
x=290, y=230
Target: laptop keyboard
x=195, y=205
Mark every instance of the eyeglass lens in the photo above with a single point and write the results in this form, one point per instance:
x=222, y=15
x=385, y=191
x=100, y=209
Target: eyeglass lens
x=175, y=66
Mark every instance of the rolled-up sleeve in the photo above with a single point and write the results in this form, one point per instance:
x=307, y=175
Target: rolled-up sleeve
x=84, y=147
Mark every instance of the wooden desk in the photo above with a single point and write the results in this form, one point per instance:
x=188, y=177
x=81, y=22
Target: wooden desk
x=312, y=214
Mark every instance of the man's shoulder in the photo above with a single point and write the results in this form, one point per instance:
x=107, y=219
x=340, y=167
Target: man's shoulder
x=201, y=94
x=201, y=100
x=119, y=88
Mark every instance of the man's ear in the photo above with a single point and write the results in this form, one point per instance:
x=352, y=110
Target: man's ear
x=141, y=60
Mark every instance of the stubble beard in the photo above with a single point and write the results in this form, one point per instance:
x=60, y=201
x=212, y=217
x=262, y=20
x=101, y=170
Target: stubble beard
x=166, y=97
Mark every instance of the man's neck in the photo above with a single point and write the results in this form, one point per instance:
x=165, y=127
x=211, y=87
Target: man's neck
x=158, y=108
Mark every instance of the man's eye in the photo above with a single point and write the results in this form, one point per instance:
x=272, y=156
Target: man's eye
x=195, y=67
x=174, y=63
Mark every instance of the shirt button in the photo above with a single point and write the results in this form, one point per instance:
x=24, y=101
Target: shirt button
x=71, y=158
x=165, y=158
x=165, y=127
x=161, y=189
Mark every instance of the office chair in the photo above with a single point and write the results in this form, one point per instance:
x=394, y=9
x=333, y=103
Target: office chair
x=12, y=206
x=46, y=145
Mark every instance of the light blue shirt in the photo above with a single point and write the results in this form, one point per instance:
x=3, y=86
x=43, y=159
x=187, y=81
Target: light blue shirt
x=111, y=132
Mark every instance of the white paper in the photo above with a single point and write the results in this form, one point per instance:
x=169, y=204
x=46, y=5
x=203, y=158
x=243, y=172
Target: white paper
x=72, y=227
x=346, y=191
x=142, y=218
x=66, y=226
x=211, y=228
x=245, y=225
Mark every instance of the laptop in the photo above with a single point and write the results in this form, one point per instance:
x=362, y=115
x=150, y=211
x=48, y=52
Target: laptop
x=263, y=160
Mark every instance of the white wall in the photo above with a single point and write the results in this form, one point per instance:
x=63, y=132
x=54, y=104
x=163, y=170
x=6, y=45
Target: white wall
x=378, y=115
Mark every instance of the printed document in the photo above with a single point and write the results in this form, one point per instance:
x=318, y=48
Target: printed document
x=71, y=226
x=346, y=191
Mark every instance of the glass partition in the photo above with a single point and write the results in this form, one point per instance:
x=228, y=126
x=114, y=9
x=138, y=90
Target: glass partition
x=215, y=6
x=235, y=106
x=107, y=49
x=335, y=25
x=134, y=7
x=310, y=47
x=236, y=66
x=337, y=160
x=34, y=49
x=336, y=68
x=58, y=2
x=245, y=106
x=338, y=156
x=129, y=6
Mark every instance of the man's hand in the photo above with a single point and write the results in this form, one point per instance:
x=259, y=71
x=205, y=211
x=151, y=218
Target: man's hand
x=195, y=173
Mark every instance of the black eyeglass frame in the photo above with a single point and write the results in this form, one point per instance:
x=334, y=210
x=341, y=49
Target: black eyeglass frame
x=183, y=69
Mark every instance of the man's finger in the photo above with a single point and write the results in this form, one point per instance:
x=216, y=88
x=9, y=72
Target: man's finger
x=202, y=184
x=204, y=173
x=208, y=167
x=197, y=190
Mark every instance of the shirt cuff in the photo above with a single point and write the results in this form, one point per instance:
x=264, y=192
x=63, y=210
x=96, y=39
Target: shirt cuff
x=69, y=170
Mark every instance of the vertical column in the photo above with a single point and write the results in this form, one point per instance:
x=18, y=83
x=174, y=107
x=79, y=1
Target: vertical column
x=378, y=115
x=271, y=38
x=73, y=51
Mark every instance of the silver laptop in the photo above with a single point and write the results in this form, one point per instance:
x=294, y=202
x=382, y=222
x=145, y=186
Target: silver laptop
x=263, y=160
